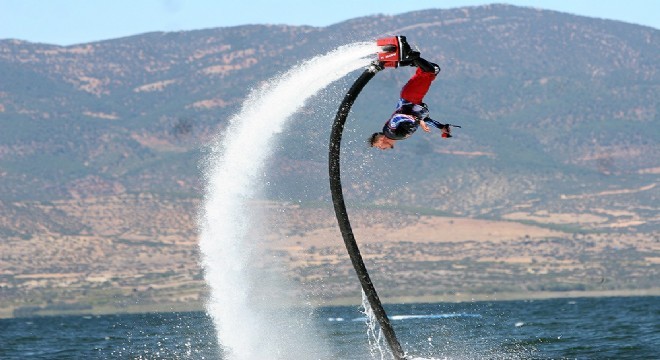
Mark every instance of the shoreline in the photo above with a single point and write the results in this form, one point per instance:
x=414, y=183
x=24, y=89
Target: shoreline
x=8, y=313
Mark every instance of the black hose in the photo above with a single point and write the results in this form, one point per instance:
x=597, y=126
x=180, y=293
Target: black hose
x=342, y=215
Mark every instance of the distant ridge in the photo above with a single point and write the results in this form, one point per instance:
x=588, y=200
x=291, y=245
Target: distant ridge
x=548, y=95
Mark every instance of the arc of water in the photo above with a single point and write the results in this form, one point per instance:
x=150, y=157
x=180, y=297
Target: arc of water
x=235, y=162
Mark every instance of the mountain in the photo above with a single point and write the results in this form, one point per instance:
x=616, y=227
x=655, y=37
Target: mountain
x=559, y=115
x=545, y=96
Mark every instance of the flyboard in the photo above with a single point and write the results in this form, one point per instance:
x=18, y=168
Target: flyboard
x=394, y=53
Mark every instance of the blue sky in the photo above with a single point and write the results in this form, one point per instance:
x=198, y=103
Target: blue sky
x=67, y=22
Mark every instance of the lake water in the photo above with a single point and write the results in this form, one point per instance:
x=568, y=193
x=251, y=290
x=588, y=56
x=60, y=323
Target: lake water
x=580, y=328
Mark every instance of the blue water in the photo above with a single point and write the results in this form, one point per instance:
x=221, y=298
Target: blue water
x=582, y=328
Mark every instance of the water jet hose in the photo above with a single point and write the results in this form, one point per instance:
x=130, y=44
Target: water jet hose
x=342, y=215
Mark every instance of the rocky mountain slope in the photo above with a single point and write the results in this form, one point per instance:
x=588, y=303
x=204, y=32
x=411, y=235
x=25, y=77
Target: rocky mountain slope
x=560, y=132
x=544, y=97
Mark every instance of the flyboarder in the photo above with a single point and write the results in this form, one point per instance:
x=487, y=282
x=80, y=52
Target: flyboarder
x=411, y=112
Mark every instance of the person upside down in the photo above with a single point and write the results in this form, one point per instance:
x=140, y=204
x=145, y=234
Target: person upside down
x=411, y=112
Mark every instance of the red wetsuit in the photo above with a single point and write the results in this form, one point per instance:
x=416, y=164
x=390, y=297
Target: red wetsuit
x=417, y=87
x=410, y=108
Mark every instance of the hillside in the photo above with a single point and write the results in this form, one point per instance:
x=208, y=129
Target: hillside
x=576, y=96
x=560, y=133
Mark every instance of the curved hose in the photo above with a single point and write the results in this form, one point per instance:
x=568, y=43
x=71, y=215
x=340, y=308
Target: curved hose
x=342, y=215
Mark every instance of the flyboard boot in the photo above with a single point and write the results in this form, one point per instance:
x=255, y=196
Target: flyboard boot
x=396, y=52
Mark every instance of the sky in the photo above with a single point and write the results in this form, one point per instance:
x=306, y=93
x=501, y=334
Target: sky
x=69, y=22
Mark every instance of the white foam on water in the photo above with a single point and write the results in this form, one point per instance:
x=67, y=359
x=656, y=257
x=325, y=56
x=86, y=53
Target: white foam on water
x=249, y=322
x=433, y=316
x=377, y=346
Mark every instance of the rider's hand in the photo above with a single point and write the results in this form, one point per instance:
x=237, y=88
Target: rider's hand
x=424, y=126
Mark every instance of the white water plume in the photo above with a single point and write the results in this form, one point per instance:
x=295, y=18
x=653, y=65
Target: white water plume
x=247, y=322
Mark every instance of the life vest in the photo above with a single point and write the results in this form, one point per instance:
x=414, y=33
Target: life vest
x=405, y=120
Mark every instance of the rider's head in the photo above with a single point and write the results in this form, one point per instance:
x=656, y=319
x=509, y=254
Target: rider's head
x=380, y=141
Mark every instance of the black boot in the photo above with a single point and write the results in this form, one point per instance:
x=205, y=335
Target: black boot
x=406, y=52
